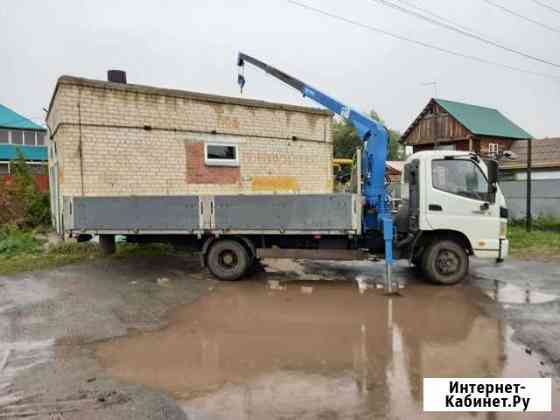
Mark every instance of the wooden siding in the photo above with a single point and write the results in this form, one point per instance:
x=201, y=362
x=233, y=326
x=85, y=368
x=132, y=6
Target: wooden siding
x=436, y=125
x=483, y=142
x=462, y=145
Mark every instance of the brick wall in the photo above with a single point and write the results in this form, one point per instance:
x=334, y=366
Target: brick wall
x=142, y=140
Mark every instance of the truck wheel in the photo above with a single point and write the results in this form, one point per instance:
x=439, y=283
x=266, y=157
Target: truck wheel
x=107, y=244
x=228, y=260
x=445, y=262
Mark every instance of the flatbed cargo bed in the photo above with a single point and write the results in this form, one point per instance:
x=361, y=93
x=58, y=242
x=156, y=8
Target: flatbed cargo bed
x=287, y=214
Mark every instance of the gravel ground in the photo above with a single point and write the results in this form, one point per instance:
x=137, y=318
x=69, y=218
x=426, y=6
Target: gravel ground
x=49, y=319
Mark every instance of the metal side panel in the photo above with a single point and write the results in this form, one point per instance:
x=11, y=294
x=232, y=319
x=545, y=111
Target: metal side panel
x=161, y=213
x=284, y=212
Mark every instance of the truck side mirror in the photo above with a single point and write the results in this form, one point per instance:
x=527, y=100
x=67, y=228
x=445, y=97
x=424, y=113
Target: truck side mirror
x=492, y=166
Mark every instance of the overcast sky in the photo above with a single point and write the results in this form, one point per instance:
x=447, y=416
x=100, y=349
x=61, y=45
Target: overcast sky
x=192, y=45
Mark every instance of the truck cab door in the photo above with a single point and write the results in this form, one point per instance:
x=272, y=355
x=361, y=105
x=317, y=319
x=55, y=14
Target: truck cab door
x=458, y=198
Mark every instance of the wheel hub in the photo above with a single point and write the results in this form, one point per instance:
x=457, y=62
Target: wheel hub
x=447, y=262
x=228, y=259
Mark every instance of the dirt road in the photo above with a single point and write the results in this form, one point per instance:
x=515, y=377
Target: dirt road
x=157, y=338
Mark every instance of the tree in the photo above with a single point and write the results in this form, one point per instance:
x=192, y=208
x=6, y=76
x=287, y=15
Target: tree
x=21, y=203
x=346, y=140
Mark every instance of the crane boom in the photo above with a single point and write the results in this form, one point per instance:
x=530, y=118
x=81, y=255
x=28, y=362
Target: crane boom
x=377, y=214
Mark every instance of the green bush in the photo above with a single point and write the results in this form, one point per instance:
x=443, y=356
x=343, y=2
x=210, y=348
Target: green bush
x=14, y=241
x=21, y=203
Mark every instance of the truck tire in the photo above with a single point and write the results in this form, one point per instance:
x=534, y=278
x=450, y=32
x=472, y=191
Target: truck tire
x=445, y=262
x=228, y=260
x=107, y=244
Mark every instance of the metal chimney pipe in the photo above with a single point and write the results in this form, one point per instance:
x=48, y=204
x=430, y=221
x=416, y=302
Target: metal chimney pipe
x=116, y=76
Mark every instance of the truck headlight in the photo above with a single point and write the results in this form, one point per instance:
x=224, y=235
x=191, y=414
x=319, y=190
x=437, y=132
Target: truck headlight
x=503, y=229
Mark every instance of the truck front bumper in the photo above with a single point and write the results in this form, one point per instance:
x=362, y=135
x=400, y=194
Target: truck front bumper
x=503, y=252
x=498, y=249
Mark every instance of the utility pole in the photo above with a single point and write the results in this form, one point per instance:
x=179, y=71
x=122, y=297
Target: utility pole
x=528, y=217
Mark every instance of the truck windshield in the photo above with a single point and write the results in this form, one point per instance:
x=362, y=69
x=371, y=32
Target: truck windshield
x=460, y=176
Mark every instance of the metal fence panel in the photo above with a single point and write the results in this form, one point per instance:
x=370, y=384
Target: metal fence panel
x=545, y=198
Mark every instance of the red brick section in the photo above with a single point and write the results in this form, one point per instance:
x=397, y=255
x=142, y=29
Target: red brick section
x=199, y=173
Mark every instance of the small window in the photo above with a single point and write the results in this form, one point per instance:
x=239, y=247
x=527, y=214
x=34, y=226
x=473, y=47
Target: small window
x=17, y=137
x=4, y=136
x=29, y=138
x=493, y=148
x=461, y=177
x=4, y=168
x=217, y=154
x=38, y=169
x=445, y=147
x=40, y=139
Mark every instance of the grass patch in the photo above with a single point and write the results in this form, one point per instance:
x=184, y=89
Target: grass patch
x=54, y=256
x=146, y=250
x=21, y=250
x=543, y=244
x=15, y=242
x=540, y=223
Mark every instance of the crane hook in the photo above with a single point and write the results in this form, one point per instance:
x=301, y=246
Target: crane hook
x=241, y=82
x=241, y=76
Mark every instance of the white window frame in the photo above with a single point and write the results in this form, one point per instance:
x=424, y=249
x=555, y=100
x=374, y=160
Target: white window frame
x=9, y=135
x=2, y=162
x=494, y=148
x=27, y=162
x=23, y=131
x=221, y=162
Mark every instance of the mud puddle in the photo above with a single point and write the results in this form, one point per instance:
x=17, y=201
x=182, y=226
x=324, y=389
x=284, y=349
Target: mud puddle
x=321, y=350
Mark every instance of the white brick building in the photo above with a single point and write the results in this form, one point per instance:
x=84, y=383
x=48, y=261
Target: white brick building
x=112, y=139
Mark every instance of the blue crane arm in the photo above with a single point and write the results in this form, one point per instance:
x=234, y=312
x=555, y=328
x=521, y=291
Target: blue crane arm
x=373, y=134
x=365, y=126
x=377, y=215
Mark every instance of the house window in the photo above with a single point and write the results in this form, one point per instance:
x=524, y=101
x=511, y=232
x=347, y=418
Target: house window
x=38, y=168
x=29, y=138
x=493, y=148
x=17, y=137
x=40, y=139
x=445, y=147
x=4, y=136
x=221, y=154
x=4, y=168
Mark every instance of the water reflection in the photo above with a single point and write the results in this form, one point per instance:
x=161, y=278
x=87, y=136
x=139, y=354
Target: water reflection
x=249, y=352
x=509, y=293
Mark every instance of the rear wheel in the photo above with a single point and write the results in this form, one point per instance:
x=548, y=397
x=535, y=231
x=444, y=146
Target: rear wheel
x=228, y=260
x=445, y=262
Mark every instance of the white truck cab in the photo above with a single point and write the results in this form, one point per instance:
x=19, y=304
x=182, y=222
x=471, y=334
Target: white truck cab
x=452, y=197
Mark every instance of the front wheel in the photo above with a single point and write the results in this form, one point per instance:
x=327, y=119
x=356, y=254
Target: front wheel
x=228, y=260
x=445, y=262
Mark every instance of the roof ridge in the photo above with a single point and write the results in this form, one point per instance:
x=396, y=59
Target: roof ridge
x=468, y=104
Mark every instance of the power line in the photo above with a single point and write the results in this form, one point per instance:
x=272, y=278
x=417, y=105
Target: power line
x=469, y=34
x=520, y=16
x=546, y=6
x=421, y=43
x=438, y=16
